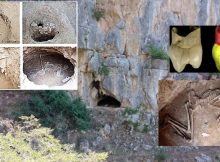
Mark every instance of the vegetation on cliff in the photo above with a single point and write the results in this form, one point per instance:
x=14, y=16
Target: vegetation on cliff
x=157, y=52
x=56, y=109
x=27, y=140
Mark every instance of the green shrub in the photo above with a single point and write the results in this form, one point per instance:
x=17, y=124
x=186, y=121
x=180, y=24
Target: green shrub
x=130, y=111
x=145, y=129
x=56, y=107
x=98, y=13
x=103, y=69
x=157, y=52
x=38, y=145
x=161, y=155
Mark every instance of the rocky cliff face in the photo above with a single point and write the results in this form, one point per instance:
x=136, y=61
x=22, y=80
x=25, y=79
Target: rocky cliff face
x=117, y=39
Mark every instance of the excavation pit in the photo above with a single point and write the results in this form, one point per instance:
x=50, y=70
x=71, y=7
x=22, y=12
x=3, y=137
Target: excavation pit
x=108, y=101
x=51, y=68
x=41, y=32
x=189, y=113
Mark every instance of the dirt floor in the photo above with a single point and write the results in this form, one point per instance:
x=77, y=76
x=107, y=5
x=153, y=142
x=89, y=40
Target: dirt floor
x=191, y=113
x=5, y=83
x=9, y=22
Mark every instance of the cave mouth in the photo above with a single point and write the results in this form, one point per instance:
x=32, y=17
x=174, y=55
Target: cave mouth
x=41, y=32
x=48, y=68
x=108, y=101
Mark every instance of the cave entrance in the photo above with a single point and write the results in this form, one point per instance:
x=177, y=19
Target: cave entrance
x=48, y=68
x=108, y=101
x=41, y=32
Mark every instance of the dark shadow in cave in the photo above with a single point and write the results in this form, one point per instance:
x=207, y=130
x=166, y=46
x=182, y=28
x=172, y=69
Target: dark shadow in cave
x=96, y=84
x=108, y=101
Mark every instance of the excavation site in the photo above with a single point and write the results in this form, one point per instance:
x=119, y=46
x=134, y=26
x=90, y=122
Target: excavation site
x=9, y=68
x=189, y=113
x=49, y=22
x=49, y=67
x=9, y=22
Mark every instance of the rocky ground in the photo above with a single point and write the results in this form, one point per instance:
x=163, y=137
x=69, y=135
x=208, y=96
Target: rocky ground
x=110, y=133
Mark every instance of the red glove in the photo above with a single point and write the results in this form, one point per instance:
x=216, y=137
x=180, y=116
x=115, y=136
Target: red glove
x=217, y=35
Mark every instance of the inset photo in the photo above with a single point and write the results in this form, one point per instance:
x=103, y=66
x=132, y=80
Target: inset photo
x=194, y=49
x=9, y=22
x=189, y=113
x=49, y=22
x=49, y=68
x=10, y=68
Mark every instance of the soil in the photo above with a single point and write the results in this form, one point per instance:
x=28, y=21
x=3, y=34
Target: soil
x=9, y=22
x=4, y=31
x=5, y=83
x=190, y=116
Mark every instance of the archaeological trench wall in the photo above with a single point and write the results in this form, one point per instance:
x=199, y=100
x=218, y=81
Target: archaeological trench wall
x=9, y=22
x=10, y=67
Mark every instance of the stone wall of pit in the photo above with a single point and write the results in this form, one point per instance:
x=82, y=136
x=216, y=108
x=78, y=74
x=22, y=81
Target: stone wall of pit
x=68, y=52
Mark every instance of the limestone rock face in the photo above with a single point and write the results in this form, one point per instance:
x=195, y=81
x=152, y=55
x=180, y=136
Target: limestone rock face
x=119, y=38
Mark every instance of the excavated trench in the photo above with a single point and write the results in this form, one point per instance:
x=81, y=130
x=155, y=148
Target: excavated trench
x=49, y=68
x=191, y=116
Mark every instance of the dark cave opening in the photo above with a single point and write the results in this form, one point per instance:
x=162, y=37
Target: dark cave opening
x=40, y=24
x=96, y=84
x=108, y=101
